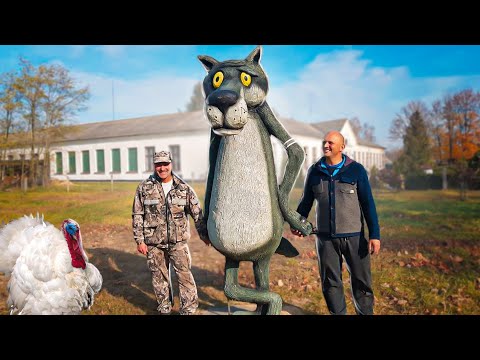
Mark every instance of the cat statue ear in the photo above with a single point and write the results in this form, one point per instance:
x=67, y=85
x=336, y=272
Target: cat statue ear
x=255, y=55
x=207, y=61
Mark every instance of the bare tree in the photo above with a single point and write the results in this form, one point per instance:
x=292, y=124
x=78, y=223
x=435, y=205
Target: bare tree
x=436, y=129
x=9, y=107
x=356, y=125
x=363, y=131
x=368, y=133
x=62, y=101
x=49, y=97
x=30, y=85
x=393, y=154
x=461, y=112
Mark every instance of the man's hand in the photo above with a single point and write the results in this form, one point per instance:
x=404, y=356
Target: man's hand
x=296, y=232
x=142, y=248
x=374, y=246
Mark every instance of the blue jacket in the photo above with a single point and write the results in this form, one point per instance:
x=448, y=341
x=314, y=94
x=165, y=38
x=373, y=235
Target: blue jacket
x=343, y=200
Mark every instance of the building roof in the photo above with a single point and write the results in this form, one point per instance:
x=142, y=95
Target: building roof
x=295, y=127
x=183, y=122
x=337, y=125
x=147, y=125
x=370, y=144
x=166, y=124
x=330, y=125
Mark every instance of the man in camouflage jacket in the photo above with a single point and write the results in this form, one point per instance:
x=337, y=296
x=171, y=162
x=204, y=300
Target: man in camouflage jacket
x=161, y=230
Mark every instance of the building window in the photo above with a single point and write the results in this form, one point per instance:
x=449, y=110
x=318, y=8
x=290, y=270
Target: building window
x=10, y=157
x=59, y=162
x=132, y=160
x=72, y=168
x=116, y=168
x=101, y=161
x=86, y=161
x=149, y=151
x=175, y=150
x=22, y=157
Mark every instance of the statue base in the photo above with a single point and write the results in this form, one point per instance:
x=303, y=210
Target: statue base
x=238, y=308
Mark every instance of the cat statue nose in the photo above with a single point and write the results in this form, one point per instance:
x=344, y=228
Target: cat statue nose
x=222, y=99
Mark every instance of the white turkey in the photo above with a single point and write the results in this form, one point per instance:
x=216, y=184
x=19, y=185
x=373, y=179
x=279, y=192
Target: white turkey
x=50, y=272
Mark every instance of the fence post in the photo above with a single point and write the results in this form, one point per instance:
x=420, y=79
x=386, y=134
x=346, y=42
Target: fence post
x=25, y=184
x=444, y=178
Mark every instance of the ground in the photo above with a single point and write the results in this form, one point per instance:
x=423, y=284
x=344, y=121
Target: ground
x=409, y=276
x=127, y=287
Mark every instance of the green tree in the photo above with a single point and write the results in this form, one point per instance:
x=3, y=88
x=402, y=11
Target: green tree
x=416, y=146
x=197, y=99
x=401, y=121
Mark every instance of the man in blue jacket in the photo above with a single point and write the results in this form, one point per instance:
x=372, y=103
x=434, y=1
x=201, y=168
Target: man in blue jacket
x=344, y=199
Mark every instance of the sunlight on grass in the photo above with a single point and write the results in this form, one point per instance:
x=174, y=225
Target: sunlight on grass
x=429, y=264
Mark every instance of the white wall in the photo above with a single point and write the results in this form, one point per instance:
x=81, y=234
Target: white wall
x=193, y=152
x=311, y=146
x=367, y=156
x=193, y=156
x=350, y=139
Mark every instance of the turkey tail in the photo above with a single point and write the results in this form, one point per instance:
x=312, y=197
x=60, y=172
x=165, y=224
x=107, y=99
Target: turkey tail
x=13, y=240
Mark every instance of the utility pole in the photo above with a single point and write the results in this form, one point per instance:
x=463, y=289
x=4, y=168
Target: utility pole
x=113, y=101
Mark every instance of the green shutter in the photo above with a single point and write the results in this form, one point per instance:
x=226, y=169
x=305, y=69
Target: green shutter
x=100, y=161
x=132, y=160
x=86, y=161
x=59, y=163
x=72, y=169
x=116, y=160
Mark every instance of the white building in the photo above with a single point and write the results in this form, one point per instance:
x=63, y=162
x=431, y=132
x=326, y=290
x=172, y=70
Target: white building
x=123, y=149
x=364, y=152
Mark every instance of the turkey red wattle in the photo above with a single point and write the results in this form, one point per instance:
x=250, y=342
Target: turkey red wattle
x=71, y=231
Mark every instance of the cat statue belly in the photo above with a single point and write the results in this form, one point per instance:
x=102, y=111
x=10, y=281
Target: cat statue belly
x=240, y=217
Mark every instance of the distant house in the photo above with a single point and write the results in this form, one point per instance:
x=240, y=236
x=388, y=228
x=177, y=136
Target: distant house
x=123, y=149
x=365, y=152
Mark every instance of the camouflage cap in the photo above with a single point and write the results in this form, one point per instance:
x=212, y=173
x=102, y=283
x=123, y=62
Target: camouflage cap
x=162, y=156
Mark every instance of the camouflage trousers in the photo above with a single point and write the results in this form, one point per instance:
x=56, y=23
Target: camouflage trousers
x=158, y=260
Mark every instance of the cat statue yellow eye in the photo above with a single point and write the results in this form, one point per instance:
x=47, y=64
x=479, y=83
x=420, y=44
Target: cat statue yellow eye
x=246, y=79
x=217, y=79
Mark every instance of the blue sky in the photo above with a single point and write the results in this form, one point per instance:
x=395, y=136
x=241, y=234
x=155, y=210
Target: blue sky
x=307, y=82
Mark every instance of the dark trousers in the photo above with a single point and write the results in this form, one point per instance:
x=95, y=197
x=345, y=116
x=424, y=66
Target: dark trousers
x=331, y=252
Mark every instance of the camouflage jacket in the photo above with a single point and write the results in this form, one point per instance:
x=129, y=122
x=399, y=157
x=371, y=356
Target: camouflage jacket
x=159, y=221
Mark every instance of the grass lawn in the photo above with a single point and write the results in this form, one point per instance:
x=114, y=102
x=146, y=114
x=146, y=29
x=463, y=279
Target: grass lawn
x=429, y=262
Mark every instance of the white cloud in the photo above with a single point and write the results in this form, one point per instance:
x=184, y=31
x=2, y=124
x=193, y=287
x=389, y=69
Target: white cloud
x=343, y=84
x=335, y=85
x=156, y=94
x=77, y=51
x=112, y=50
